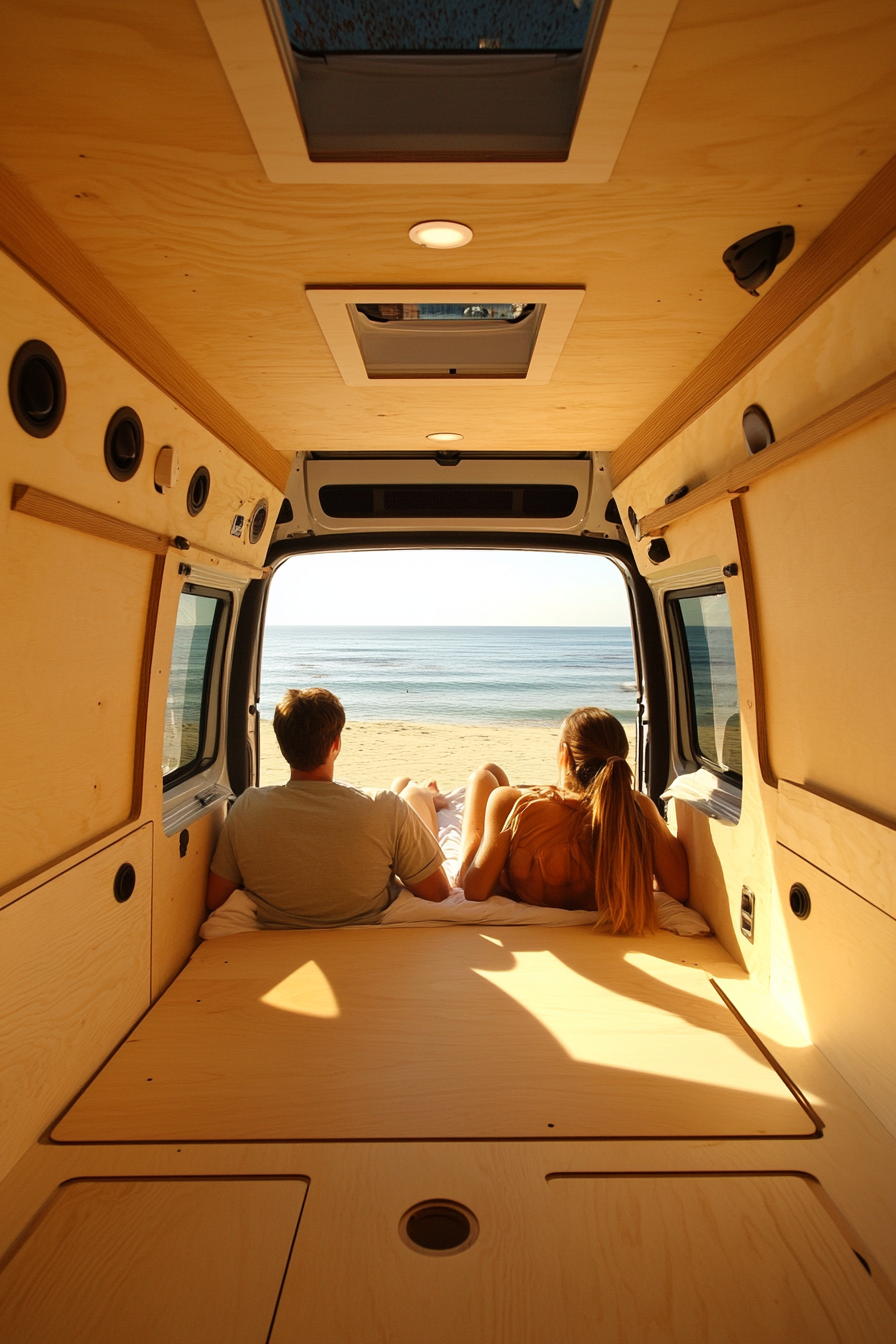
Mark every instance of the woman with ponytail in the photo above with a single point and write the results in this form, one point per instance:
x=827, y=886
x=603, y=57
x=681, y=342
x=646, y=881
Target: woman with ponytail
x=590, y=842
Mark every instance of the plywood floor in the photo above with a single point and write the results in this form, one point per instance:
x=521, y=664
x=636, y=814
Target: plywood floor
x=179, y=1261
x=439, y=1033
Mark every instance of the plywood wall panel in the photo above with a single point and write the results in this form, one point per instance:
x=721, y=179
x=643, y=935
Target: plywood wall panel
x=834, y=974
x=75, y=614
x=856, y=850
x=178, y=906
x=844, y=347
x=74, y=977
x=182, y=1261
x=70, y=462
x=826, y=594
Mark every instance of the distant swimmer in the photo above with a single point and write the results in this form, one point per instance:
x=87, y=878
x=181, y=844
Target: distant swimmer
x=590, y=842
x=314, y=853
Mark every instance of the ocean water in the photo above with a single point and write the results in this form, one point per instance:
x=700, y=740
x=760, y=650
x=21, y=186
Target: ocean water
x=507, y=675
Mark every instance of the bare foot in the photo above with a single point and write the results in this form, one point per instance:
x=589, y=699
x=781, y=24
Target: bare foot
x=439, y=799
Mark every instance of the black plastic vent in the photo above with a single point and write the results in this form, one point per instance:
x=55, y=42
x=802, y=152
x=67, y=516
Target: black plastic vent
x=448, y=501
x=37, y=389
x=125, y=883
x=198, y=491
x=123, y=444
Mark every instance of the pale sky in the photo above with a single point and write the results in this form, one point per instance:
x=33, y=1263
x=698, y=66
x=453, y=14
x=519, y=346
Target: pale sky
x=448, y=588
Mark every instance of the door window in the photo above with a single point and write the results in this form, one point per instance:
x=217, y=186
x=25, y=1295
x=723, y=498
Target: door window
x=192, y=710
x=708, y=713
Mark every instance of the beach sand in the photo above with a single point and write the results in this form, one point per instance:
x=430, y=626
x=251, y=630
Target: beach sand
x=374, y=753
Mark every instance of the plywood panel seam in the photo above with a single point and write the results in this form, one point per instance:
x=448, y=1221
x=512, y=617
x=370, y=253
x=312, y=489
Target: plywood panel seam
x=796, y=853
x=61, y=866
x=779, y=1070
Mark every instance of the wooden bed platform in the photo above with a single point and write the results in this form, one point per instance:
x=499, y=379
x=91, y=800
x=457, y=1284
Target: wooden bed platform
x=514, y=1033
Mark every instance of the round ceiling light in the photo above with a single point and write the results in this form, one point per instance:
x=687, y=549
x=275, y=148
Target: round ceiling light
x=440, y=233
x=446, y=438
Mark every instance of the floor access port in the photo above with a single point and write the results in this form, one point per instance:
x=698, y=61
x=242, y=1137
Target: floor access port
x=593, y=1259
x=440, y=1033
x=153, y=1262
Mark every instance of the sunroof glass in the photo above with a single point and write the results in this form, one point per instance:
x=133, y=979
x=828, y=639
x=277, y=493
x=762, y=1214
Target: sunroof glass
x=329, y=27
x=445, y=312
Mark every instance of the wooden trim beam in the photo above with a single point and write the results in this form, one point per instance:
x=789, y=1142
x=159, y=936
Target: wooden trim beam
x=866, y=225
x=34, y=240
x=146, y=669
x=867, y=405
x=746, y=573
x=53, y=509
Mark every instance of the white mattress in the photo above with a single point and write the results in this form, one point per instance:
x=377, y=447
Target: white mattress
x=238, y=913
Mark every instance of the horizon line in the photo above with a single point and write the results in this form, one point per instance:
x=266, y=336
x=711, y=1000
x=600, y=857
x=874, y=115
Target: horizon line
x=433, y=625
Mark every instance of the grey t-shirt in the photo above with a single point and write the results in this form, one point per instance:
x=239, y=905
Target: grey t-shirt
x=313, y=854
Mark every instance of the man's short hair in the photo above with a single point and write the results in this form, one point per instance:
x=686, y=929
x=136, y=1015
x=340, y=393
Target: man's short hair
x=307, y=723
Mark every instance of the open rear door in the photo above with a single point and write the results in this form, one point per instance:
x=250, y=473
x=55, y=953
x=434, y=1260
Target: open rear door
x=552, y=502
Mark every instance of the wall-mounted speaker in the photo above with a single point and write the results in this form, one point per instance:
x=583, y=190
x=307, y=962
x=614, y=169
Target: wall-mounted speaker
x=258, y=521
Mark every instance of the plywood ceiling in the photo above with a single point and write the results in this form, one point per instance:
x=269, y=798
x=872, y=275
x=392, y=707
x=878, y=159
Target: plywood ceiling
x=118, y=118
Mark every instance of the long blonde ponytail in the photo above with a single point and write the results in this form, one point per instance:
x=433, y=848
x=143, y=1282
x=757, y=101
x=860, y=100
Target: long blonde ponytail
x=623, y=852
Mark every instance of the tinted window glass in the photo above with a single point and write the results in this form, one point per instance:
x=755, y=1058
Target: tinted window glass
x=707, y=648
x=316, y=27
x=190, y=728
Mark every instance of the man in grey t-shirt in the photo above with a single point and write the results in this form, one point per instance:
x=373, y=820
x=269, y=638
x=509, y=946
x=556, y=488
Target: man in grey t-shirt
x=312, y=853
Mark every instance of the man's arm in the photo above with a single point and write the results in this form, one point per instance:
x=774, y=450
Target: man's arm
x=432, y=888
x=218, y=890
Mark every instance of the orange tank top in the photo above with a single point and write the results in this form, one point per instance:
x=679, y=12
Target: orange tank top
x=551, y=859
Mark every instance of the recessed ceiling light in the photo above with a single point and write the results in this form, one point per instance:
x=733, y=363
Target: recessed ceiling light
x=441, y=233
x=446, y=438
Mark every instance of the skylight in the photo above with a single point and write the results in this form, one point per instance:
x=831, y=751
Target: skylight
x=452, y=333
x=445, y=312
x=405, y=27
x=474, y=80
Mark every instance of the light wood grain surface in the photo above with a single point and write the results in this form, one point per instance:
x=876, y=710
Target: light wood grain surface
x=253, y=48
x=75, y=614
x=858, y=851
x=833, y=972
x=32, y=238
x=403, y=1033
x=170, y=202
x=182, y=1261
x=851, y=240
x=824, y=613
x=625, y=1258
x=864, y=406
x=74, y=977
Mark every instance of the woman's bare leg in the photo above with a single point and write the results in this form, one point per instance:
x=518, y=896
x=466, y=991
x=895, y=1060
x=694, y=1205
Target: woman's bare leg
x=401, y=782
x=422, y=801
x=480, y=786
